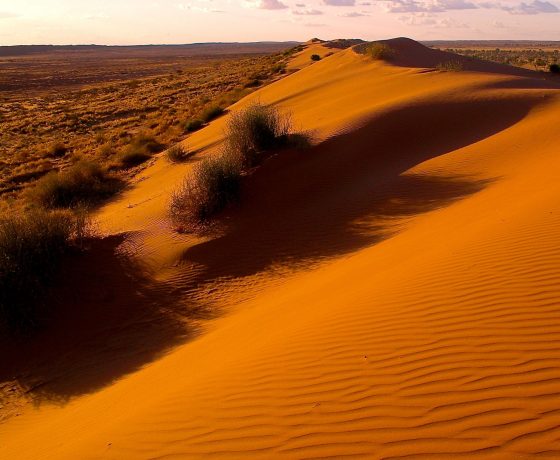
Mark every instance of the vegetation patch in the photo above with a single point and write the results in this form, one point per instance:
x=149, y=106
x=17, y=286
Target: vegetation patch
x=379, y=51
x=211, y=186
x=256, y=130
x=83, y=184
x=450, y=66
x=215, y=181
x=31, y=248
x=177, y=154
x=315, y=57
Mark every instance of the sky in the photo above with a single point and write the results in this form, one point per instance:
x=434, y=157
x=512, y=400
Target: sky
x=122, y=22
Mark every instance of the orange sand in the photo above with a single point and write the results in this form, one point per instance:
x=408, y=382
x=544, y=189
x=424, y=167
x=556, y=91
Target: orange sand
x=390, y=293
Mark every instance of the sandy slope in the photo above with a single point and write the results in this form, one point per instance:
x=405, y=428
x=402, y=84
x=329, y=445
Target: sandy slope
x=391, y=292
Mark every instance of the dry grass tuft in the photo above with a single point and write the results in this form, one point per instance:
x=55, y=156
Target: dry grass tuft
x=256, y=130
x=177, y=154
x=211, y=186
x=31, y=248
x=83, y=184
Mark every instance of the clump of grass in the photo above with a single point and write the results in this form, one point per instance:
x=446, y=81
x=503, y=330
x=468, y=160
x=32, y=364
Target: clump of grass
x=31, y=248
x=255, y=130
x=177, y=154
x=57, y=150
x=215, y=182
x=140, y=150
x=450, y=66
x=211, y=112
x=193, y=125
x=379, y=51
x=84, y=183
x=211, y=186
x=315, y=57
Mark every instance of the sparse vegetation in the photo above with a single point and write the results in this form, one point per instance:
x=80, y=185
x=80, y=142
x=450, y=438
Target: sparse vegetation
x=211, y=186
x=315, y=57
x=193, y=125
x=140, y=150
x=211, y=113
x=554, y=68
x=450, y=66
x=98, y=101
x=83, y=184
x=214, y=182
x=530, y=58
x=255, y=130
x=177, y=154
x=379, y=51
x=31, y=248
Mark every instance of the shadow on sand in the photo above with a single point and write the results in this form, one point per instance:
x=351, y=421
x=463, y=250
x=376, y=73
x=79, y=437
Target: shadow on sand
x=110, y=316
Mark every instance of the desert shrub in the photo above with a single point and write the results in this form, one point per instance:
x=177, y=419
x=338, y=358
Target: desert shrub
x=132, y=157
x=554, y=68
x=84, y=183
x=450, y=66
x=58, y=150
x=211, y=186
x=177, y=154
x=31, y=248
x=140, y=150
x=315, y=57
x=193, y=125
x=256, y=129
x=379, y=51
x=212, y=112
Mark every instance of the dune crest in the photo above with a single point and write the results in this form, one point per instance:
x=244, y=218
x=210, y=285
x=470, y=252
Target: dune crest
x=392, y=292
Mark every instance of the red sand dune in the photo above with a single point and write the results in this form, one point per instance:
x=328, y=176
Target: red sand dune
x=391, y=292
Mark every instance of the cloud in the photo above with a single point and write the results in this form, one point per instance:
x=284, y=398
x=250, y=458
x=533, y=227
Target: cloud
x=428, y=19
x=339, y=2
x=314, y=24
x=437, y=6
x=535, y=7
x=307, y=12
x=267, y=4
x=300, y=5
x=353, y=14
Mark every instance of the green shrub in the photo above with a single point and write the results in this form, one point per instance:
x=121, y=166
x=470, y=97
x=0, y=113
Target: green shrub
x=212, y=112
x=82, y=184
x=211, y=186
x=315, y=57
x=31, y=248
x=379, y=51
x=177, y=154
x=193, y=125
x=256, y=129
x=450, y=66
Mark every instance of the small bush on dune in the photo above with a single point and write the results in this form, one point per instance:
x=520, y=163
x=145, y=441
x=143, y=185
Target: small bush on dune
x=140, y=150
x=84, y=183
x=215, y=182
x=450, y=66
x=193, y=125
x=255, y=130
x=379, y=51
x=177, y=154
x=212, y=112
x=554, y=68
x=315, y=57
x=211, y=186
x=31, y=248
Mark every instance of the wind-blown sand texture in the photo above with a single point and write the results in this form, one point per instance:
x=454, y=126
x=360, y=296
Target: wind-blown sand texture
x=392, y=292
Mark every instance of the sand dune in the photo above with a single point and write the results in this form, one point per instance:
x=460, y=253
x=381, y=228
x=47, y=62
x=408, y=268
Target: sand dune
x=391, y=292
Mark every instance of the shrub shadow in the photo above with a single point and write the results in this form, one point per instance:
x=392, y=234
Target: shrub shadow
x=305, y=206
x=108, y=318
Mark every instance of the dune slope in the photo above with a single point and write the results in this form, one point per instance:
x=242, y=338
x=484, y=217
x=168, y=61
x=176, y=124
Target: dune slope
x=391, y=292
